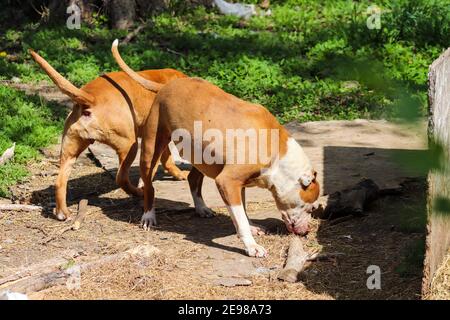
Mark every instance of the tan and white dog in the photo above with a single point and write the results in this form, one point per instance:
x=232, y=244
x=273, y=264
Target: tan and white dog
x=110, y=109
x=183, y=102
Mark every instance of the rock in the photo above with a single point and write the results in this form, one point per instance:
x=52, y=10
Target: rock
x=262, y=270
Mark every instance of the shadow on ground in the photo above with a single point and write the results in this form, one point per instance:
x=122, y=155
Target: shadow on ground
x=390, y=235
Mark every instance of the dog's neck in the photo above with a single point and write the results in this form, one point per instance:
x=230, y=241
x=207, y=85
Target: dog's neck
x=282, y=177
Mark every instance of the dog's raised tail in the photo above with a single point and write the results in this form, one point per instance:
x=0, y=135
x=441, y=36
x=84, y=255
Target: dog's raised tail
x=78, y=95
x=147, y=84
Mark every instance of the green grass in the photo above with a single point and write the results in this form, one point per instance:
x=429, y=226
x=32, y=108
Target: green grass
x=295, y=62
x=31, y=124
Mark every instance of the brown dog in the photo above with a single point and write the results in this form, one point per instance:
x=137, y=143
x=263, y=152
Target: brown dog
x=183, y=106
x=112, y=110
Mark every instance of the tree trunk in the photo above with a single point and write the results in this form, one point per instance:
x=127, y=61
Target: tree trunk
x=438, y=237
x=122, y=13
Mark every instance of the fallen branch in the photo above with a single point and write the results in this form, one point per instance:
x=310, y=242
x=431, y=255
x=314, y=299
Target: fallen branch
x=82, y=210
x=37, y=268
x=297, y=257
x=7, y=155
x=38, y=282
x=324, y=256
x=295, y=262
x=19, y=207
x=351, y=201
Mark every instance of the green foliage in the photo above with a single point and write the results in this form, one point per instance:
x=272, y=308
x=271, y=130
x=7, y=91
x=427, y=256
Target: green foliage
x=31, y=124
x=292, y=61
x=309, y=60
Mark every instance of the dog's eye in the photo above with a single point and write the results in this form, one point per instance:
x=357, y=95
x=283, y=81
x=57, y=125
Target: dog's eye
x=86, y=113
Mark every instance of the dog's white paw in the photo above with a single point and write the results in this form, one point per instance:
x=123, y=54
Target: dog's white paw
x=257, y=230
x=255, y=250
x=60, y=216
x=205, y=212
x=148, y=219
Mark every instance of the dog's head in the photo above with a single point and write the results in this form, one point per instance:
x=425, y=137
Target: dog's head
x=297, y=215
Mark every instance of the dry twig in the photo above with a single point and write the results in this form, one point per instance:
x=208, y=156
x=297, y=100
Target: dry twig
x=82, y=210
x=19, y=207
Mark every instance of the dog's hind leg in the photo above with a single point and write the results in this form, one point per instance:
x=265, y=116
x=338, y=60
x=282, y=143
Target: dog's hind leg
x=195, y=179
x=169, y=165
x=71, y=148
x=126, y=158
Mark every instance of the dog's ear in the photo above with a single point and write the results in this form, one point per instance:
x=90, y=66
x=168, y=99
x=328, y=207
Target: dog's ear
x=305, y=180
x=78, y=95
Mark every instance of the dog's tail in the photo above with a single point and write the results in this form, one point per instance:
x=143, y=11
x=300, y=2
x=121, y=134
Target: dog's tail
x=147, y=84
x=76, y=94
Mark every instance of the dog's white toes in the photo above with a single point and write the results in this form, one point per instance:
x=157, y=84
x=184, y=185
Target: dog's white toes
x=258, y=230
x=61, y=216
x=205, y=212
x=256, y=250
x=148, y=220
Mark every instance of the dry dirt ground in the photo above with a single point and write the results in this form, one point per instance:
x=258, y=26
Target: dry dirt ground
x=198, y=256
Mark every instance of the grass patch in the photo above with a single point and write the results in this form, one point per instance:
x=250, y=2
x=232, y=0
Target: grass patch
x=295, y=62
x=309, y=60
x=29, y=122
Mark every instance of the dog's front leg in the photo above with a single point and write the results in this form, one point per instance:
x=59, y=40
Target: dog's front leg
x=257, y=230
x=70, y=150
x=147, y=166
x=230, y=191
